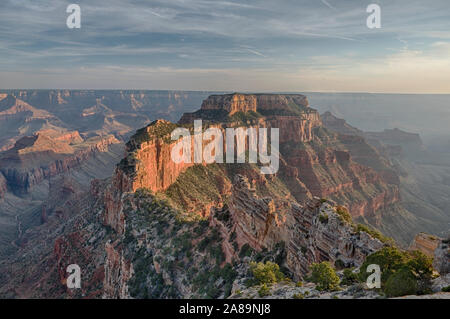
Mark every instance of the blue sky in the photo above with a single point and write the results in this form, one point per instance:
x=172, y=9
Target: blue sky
x=287, y=45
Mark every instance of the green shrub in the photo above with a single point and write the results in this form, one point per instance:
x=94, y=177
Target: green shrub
x=402, y=272
x=246, y=251
x=350, y=277
x=446, y=289
x=264, y=291
x=374, y=233
x=339, y=264
x=344, y=214
x=267, y=273
x=390, y=259
x=323, y=218
x=400, y=284
x=324, y=276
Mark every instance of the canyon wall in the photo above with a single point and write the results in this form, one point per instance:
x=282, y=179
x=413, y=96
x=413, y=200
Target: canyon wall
x=22, y=173
x=313, y=161
x=3, y=185
x=313, y=232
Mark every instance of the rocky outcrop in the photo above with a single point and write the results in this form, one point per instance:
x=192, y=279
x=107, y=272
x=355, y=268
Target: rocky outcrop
x=117, y=273
x=149, y=162
x=220, y=107
x=436, y=248
x=331, y=173
x=409, y=141
x=257, y=221
x=425, y=243
x=441, y=261
x=319, y=234
x=231, y=103
x=338, y=125
x=312, y=232
x=38, y=157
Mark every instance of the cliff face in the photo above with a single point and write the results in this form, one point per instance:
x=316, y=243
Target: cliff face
x=258, y=222
x=436, y=248
x=399, y=159
x=313, y=232
x=3, y=185
x=314, y=162
x=280, y=226
x=231, y=103
x=39, y=157
x=441, y=261
x=425, y=243
x=263, y=103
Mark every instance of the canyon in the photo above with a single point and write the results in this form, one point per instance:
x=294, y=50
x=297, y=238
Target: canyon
x=50, y=137
x=314, y=162
x=158, y=229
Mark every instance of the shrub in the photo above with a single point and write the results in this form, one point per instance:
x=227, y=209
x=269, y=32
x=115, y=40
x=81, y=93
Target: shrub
x=323, y=218
x=374, y=233
x=339, y=264
x=324, y=276
x=349, y=277
x=246, y=251
x=403, y=272
x=267, y=273
x=446, y=289
x=390, y=259
x=400, y=284
x=344, y=214
x=264, y=291
x=299, y=284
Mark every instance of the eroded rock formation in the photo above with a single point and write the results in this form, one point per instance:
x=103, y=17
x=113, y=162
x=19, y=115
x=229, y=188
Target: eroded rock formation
x=47, y=154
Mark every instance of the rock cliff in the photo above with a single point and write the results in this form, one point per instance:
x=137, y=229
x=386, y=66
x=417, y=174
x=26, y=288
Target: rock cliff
x=314, y=162
x=313, y=232
x=3, y=185
x=47, y=154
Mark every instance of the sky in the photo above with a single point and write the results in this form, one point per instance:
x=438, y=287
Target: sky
x=255, y=46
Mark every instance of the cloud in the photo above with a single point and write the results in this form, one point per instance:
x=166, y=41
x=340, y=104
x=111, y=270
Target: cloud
x=328, y=4
x=269, y=39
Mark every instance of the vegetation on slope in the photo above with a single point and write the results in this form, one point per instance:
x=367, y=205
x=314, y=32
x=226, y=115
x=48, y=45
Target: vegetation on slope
x=403, y=272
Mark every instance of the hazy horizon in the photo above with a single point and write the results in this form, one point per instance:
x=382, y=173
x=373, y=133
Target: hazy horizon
x=214, y=91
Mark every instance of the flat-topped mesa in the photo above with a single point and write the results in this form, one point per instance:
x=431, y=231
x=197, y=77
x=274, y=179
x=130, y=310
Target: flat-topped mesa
x=231, y=103
x=148, y=163
x=290, y=113
x=220, y=108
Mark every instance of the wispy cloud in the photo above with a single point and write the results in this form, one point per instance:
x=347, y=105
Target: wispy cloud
x=325, y=2
x=275, y=36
